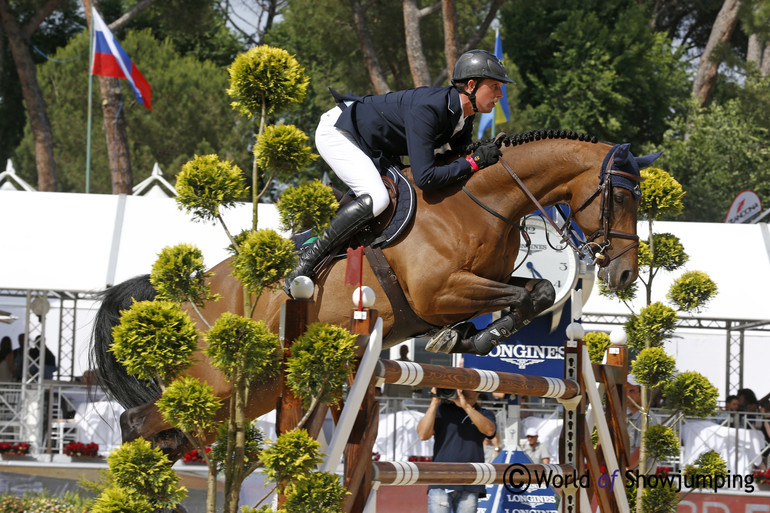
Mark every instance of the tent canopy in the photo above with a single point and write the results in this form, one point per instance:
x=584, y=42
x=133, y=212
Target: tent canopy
x=87, y=242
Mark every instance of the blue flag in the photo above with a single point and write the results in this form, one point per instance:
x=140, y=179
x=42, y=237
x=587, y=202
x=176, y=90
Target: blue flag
x=496, y=117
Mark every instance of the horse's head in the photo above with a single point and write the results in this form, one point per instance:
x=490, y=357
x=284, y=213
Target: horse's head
x=607, y=214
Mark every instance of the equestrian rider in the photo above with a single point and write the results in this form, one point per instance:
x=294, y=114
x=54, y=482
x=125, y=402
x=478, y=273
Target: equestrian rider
x=361, y=136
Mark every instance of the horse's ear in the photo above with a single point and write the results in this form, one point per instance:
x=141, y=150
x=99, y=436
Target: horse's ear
x=646, y=160
x=621, y=154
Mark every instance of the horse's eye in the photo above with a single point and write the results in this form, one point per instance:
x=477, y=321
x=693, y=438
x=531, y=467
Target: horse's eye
x=619, y=198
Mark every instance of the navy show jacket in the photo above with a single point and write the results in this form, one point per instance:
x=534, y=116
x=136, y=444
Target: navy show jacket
x=412, y=122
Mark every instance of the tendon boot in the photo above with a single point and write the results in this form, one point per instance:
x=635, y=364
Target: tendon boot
x=350, y=218
x=464, y=338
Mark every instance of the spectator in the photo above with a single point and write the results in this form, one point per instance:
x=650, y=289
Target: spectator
x=459, y=427
x=634, y=416
x=6, y=360
x=535, y=450
x=748, y=400
x=391, y=390
x=728, y=417
x=764, y=426
x=34, y=354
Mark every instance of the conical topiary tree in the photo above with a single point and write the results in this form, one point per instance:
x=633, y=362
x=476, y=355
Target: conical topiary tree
x=688, y=393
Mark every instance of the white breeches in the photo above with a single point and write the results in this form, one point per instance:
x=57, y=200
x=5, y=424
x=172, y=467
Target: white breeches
x=350, y=164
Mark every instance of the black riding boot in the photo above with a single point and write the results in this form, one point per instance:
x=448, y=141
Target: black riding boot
x=350, y=218
x=463, y=338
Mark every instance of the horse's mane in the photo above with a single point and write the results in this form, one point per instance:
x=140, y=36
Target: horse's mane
x=535, y=135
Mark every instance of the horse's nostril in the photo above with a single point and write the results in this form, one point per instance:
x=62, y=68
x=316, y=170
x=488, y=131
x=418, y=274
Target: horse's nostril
x=625, y=278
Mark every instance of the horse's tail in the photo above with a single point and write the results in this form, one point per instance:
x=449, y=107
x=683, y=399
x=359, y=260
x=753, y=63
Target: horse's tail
x=111, y=375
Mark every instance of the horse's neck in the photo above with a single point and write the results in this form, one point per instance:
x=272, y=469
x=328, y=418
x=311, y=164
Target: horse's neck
x=549, y=169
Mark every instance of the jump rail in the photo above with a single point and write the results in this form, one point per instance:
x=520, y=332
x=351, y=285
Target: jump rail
x=415, y=374
x=408, y=473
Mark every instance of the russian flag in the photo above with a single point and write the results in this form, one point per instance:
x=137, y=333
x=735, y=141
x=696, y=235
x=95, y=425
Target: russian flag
x=110, y=60
x=494, y=117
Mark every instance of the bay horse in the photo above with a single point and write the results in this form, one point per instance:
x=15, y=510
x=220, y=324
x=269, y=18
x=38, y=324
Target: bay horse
x=453, y=262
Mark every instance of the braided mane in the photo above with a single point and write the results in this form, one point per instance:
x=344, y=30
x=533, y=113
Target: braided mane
x=535, y=135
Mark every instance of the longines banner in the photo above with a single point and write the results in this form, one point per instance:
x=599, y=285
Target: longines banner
x=531, y=350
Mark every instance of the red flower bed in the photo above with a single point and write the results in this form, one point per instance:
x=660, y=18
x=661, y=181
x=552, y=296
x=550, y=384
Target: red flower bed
x=195, y=457
x=19, y=448
x=90, y=450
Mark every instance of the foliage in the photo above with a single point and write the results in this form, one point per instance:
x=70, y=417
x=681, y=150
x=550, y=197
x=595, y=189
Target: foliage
x=705, y=468
x=692, y=291
x=191, y=114
x=597, y=343
x=316, y=492
x=207, y=184
x=660, y=499
x=254, y=446
x=189, y=405
x=661, y=442
x=626, y=294
x=320, y=362
x=264, y=258
x=43, y=502
x=653, y=325
x=692, y=394
x=669, y=252
x=142, y=473
x=594, y=67
x=154, y=339
x=310, y=205
x=661, y=195
x=121, y=500
x=653, y=367
x=239, y=346
x=283, y=149
x=724, y=150
x=292, y=455
x=179, y=275
x=265, y=77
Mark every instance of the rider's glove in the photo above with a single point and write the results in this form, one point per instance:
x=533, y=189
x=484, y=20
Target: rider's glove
x=485, y=155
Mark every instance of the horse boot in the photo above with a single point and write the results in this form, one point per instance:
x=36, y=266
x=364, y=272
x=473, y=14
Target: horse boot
x=460, y=339
x=350, y=218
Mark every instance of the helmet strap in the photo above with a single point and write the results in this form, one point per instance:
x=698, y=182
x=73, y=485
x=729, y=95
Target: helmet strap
x=472, y=95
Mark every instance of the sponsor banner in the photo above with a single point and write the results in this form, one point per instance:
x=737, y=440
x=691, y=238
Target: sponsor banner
x=745, y=206
x=532, y=350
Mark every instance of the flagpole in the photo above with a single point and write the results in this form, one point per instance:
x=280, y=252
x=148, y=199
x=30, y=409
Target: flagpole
x=90, y=91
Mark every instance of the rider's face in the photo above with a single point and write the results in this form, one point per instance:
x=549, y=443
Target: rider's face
x=488, y=93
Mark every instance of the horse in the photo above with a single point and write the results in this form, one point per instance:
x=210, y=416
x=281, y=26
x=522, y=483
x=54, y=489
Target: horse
x=453, y=262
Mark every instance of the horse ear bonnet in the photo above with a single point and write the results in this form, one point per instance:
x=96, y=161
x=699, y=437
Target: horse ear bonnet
x=625, y=161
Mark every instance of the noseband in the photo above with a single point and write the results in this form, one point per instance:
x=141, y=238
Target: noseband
x=595, y=252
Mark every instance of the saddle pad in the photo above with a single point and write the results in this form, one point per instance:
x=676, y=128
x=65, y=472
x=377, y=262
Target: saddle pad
x=406, y=205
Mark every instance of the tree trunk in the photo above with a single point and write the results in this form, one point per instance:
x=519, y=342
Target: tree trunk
x=451, y=52
x=765, y=68
x=754, y=50
x=367, y=47
x=18, y=39
x=117, y=138
x=723, y=28
x=417, y=63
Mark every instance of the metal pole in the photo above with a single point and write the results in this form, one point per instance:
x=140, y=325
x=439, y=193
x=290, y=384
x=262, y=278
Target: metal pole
x=90, y=92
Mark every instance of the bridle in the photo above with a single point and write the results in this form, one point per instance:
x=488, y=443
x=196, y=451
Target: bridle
x=589, y=249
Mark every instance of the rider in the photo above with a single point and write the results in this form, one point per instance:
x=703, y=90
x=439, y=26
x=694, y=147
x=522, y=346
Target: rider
x=361, y=136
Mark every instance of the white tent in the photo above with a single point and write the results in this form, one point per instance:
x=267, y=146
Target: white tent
x=87, y=242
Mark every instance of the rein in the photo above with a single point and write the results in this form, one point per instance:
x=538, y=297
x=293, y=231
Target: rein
x=596, y=251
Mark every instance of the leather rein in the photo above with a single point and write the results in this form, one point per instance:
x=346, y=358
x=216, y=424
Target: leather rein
x=595, y=252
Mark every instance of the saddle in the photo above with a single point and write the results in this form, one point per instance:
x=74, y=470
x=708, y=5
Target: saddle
x=379, y=233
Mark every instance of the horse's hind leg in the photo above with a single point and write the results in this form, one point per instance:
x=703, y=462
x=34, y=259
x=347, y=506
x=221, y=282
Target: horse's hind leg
x=465, y=338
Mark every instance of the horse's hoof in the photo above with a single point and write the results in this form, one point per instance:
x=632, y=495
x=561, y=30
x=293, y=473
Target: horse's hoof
x=444, y=341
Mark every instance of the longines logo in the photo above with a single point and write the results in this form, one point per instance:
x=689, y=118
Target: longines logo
x=523, y=355
x=521, y=362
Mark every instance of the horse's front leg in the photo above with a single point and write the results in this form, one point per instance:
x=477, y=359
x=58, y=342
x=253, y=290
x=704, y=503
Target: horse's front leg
x=535, y=296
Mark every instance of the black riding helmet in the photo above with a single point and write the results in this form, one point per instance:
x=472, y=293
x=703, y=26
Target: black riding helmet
x=477, y=64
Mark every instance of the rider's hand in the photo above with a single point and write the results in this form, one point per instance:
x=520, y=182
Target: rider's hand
x=486, y=155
